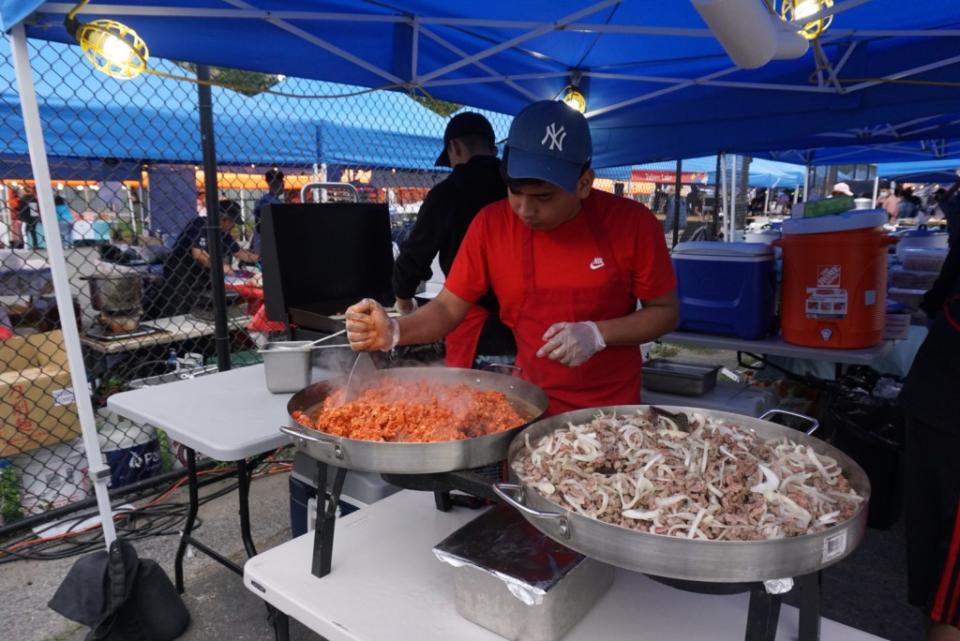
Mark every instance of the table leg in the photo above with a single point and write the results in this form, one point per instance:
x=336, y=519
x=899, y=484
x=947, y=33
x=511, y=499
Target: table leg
x=243, y=493
x=810, y=585
x=281, y=626
x=191, y=518
x=763, y=615
x=326, y=519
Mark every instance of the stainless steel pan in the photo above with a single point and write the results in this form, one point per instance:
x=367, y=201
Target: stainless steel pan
x=681, y=558
x=414, y=458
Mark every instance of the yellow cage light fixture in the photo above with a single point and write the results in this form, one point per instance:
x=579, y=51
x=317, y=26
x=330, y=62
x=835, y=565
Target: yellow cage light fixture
x=574, y=98
x=799, y=10
x=111, y=47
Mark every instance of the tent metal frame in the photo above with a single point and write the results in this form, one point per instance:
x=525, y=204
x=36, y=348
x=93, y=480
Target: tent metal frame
x=828, y=73
x=99, y=472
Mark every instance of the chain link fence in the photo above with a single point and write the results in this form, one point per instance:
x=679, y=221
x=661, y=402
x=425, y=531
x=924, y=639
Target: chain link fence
x=125, y=160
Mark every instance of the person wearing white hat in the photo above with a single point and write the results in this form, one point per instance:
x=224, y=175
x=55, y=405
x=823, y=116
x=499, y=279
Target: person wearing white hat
x=841, y=189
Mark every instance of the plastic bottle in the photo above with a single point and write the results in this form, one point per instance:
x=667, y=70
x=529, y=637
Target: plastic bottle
x=10, y=509
x=172, y=361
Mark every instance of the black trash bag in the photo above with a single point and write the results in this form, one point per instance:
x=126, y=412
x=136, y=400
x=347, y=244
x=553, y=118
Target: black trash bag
x=869, y=426
x=121, y=597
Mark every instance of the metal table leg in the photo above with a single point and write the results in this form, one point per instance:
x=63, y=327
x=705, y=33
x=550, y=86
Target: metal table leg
x=281, y=625
x=243, y=493
x=244, y=472
x=763, y=615
x=191, y=518
x=810, y=585
x=326, y=519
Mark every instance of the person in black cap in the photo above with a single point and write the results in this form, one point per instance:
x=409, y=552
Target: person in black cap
x=567, y=263
x=186, y=270
x=274, y=196
x=449, y=208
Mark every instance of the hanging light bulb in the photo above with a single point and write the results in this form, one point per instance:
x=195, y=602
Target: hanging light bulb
x=111, y=47
x=573, y=98
x=799, y=10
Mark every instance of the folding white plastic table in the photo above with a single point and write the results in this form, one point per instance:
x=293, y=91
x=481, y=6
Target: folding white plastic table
x=228, y=416
x=386, y=584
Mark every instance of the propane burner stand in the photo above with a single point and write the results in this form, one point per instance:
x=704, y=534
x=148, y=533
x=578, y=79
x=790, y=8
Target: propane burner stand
x=477, y=491
x=763, y=613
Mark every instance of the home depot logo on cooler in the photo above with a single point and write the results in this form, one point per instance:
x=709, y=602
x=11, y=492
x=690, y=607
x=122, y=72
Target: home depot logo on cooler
x=828, y=275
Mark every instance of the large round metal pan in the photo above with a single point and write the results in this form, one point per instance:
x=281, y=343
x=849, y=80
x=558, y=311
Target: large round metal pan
x=681, y=558
x=414, y=458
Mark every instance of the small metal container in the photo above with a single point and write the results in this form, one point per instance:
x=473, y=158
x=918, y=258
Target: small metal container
x=286, y=365
x=518, y=583
x=116, y=293
x=674, y=377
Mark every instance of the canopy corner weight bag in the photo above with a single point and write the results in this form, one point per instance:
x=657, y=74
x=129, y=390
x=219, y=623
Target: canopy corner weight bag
x=121, y=597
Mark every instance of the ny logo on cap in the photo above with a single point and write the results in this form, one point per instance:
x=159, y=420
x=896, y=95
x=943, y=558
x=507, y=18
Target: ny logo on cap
x=555, y=136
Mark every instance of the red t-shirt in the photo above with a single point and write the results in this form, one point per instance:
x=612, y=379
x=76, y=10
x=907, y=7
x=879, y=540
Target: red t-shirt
x=490, y=256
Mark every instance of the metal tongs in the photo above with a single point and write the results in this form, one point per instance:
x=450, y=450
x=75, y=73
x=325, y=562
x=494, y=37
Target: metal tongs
x=680, y=419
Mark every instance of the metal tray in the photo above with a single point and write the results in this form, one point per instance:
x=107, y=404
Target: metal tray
x=674, y=377
x=515, y=581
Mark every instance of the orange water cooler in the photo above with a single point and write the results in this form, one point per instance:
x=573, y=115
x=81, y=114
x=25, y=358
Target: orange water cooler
x=835, y=280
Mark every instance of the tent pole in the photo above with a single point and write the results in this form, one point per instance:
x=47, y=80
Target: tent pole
x=733, y=198
x=806, y=184
x=98, y=471
x=722, y=200
x=677, y=184
x=214, y=234
x=766, y=199
x=716, y=199
x=876, y=189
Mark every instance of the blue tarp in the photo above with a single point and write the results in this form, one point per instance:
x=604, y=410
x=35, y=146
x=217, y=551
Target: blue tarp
x=934, y=171
x=156, y=119
x=743, y=111
x=763, y=173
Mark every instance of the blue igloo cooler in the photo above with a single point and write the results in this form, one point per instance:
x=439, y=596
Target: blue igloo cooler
x=726, y=288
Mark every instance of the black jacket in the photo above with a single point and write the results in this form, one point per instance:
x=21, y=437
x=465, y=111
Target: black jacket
x=442, y=222
x=931, y=390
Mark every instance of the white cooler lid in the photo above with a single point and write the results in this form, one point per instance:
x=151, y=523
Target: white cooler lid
x=847, y=221
x=715, y=249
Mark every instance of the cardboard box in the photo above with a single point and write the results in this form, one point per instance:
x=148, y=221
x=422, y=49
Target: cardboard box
x=37, y=405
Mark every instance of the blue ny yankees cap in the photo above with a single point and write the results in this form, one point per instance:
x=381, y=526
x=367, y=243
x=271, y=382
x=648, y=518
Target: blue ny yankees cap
x=549, y=141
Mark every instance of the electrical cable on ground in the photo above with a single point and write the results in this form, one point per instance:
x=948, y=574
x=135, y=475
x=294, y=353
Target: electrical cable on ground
x=153, y=518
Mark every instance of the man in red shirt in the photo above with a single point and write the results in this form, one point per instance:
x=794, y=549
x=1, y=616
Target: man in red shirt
x=567, y=263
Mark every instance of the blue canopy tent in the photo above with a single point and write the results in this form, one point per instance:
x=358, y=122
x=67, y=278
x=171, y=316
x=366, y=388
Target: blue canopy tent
x=763, y=173
x=920, y=139
x=658, y=84
x=110, y=118
x=934, y=171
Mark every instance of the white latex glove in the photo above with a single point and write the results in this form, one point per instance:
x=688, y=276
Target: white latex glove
x=369, y=328
x=572, y=343
x=406, y=305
